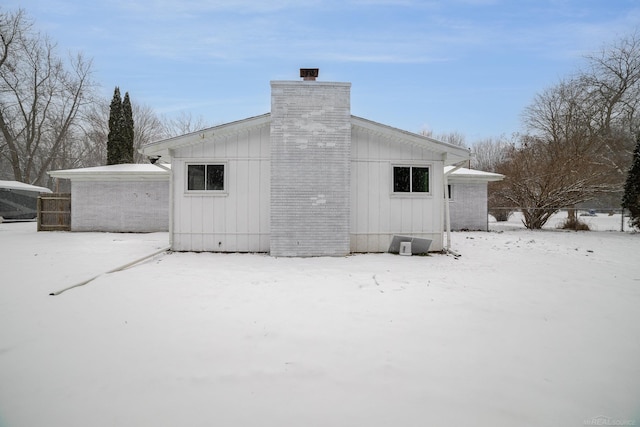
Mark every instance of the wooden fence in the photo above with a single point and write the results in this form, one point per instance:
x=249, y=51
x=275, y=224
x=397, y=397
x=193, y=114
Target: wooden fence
x=54, y=212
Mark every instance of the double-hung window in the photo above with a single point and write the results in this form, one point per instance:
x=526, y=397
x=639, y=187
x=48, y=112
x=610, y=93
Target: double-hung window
x=410, y=179
x=205, y=177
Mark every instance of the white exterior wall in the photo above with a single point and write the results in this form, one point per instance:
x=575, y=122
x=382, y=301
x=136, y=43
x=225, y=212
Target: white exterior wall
x=238, y=220
x=376, y=213
x=310, y=148
x=120, y=206
x=468, y=206
x=308, y=179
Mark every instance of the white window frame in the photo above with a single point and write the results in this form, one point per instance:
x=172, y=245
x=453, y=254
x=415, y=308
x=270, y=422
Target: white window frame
x=412, y=193
x=205, y=163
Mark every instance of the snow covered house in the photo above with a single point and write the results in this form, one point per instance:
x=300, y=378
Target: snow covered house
x=306, y=179
x=19, y=200
x=467, y=192
x=118, y=198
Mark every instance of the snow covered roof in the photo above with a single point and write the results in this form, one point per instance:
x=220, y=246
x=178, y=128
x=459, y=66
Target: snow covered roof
x=17, y=185
x=124, y=172
x=471, y=175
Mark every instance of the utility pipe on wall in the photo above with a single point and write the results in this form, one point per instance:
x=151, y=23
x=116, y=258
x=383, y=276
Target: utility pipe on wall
x=155, y=160
x=171, y=200
x=447, y=211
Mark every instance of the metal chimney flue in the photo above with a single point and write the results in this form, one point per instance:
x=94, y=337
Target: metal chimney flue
x=309, y=74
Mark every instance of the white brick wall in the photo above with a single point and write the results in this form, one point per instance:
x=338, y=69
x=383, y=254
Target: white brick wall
x=468, y=209
x=120, y=206
x=310, y=168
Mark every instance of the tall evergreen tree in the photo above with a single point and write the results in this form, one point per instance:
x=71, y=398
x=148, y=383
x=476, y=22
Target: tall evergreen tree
x=120, y=138
x=631, y=198
x=114, y=138
x=127, y=131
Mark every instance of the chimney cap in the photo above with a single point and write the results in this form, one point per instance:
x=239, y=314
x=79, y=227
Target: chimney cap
x=309, y=73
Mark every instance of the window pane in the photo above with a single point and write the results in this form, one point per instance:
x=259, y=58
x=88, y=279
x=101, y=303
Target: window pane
x=195, y=177
x=215, y=177
x=420, y=180
x=401, y=183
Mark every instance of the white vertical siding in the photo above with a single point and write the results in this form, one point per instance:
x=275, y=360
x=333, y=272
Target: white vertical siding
x=238, y=220
x=376, y=213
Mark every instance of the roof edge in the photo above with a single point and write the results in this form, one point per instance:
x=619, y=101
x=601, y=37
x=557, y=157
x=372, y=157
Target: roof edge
x=473, y=175
x=458, y=153
x=162, y=147
x=22, y=186
x=126, y=172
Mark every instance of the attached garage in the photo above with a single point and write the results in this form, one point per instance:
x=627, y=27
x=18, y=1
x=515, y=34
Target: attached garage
x=467, y=192
x=118, y=198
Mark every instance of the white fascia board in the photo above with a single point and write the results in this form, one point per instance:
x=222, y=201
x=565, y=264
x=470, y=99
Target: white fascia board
x=455, y=154
x=470, y=180
x=162, y=148
x=128, y=172
x=472, y=175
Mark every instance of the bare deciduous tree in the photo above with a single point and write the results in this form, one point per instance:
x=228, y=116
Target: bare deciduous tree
x=147, y=128
x=183, y=124
x=490, y=152
x=541, y=178
x=613, y=79
x=580, y=136
x=41, y=97
x=95, y=128
x=453, y=138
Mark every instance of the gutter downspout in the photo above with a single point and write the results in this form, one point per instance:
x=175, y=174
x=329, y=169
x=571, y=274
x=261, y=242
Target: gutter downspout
x=447, y=211
x=159, y=164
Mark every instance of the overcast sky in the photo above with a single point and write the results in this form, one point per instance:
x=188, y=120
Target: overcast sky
x=468, y=66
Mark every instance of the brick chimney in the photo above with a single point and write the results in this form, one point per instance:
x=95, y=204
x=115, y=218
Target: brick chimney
x=310, y=167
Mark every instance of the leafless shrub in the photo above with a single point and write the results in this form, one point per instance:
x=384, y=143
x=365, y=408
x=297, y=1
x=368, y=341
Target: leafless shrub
x=573, y=224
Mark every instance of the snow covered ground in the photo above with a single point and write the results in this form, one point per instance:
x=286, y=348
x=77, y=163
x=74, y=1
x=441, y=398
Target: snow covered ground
x=525, y=329
x=600, y=222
